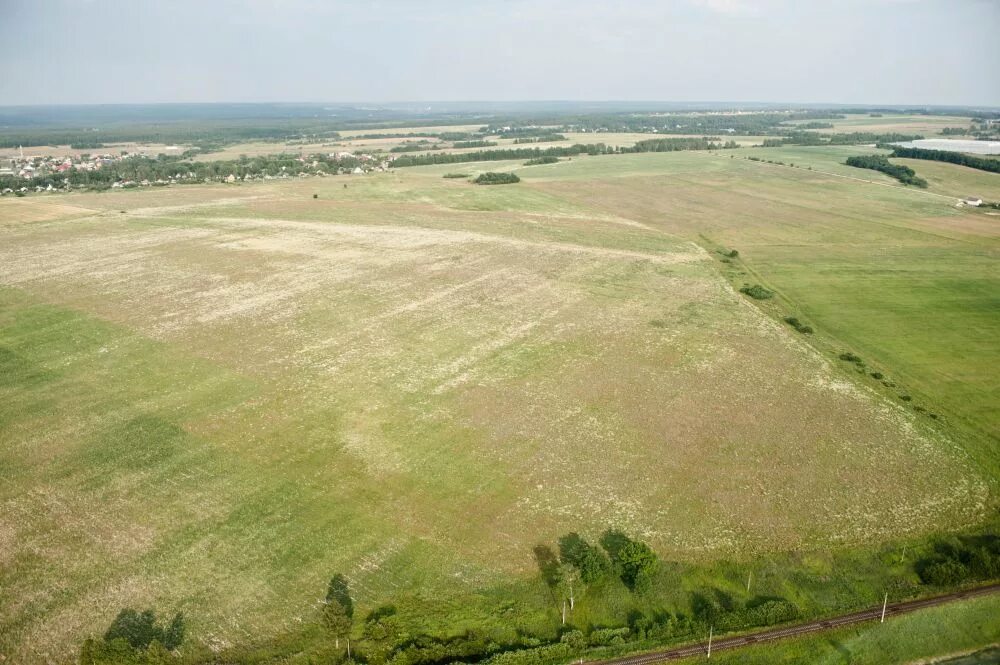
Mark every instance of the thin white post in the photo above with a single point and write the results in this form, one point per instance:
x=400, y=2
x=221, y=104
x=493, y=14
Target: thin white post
x=749, y=577
x=710, y=629
x=885, y=601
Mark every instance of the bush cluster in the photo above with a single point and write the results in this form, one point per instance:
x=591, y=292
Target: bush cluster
x=961, y=560
x=757, y=292
x=496, y=178
x=548, y=159
x=798, y=325
x=135, y=637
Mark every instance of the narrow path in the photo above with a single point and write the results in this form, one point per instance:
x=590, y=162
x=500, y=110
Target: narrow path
x=872, y=614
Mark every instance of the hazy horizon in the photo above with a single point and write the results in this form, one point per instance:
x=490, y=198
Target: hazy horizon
x=854, y=52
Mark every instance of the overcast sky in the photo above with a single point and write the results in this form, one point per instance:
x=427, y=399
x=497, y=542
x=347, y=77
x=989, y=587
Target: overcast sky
x=837, y=51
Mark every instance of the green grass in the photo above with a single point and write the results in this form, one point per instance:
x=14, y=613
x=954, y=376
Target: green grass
x=950, y=629
x=883, y=270
x=413, y=381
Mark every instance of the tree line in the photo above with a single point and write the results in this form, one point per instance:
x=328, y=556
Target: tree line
x=575, y=571
x=499, y=154
x=881, y=163
x=972, y=161
x=850, y=138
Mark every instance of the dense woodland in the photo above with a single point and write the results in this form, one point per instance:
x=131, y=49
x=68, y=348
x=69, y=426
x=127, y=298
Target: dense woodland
x=851, y=138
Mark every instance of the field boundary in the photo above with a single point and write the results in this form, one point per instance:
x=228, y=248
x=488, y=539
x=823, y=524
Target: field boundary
x=820, y=625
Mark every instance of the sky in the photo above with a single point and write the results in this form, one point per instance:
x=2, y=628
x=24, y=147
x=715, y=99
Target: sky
x=921, y=52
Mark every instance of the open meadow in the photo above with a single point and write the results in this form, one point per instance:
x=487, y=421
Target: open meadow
x=904, y=123
x=214, y=397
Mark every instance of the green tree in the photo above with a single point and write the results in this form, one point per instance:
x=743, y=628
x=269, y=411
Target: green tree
x=137, y=629
x=338, y=611
x=594, y=567
x=633, y=560
x=567, y=580
x=639, y=564
x=382, y=631
x=173, y=636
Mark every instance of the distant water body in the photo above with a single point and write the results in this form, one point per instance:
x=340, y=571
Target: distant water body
x=956, y=145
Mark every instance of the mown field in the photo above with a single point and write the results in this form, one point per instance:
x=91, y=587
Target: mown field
x=904, y=123
x=213, y=398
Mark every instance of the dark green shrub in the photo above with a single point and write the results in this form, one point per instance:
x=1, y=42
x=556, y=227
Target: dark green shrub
x=757, y=292
x=135, y=628
x=496, y=178
x=876, y=375
x=547, y=159
x=633, y=560
x=456, y=175
x=589, y=560
x=798, y=325
x=947, y=572
x=905, y=398
x=139, y=630
x=608, y=636
x=847, y=356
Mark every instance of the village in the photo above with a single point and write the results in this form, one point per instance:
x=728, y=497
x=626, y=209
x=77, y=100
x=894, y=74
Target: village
x=22, y=174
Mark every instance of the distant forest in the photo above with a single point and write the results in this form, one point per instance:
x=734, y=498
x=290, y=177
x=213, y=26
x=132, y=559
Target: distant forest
x=233, y=123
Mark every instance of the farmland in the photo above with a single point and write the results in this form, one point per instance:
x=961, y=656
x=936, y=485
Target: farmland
x=215, y=397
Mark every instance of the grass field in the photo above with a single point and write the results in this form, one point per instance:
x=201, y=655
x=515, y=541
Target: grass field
x=927, y=125
x=213, y=398
x=883, y=269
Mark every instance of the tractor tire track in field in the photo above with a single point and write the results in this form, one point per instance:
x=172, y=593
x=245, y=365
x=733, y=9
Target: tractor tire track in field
x=873, y=614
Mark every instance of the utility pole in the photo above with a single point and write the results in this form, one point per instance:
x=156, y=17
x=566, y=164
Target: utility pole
x=710, y=629
x=885, y=601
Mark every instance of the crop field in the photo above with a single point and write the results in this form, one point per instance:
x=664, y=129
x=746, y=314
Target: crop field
x=885, y=269
x=928, y=125
x=214, y=397
x=626, y=139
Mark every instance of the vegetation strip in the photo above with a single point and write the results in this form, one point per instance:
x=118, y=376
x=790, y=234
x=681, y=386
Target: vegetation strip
x=960, y=158
x=904, y=174
x=895, y=609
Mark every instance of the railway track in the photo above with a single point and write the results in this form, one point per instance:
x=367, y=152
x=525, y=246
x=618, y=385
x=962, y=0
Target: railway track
x=893, y=609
